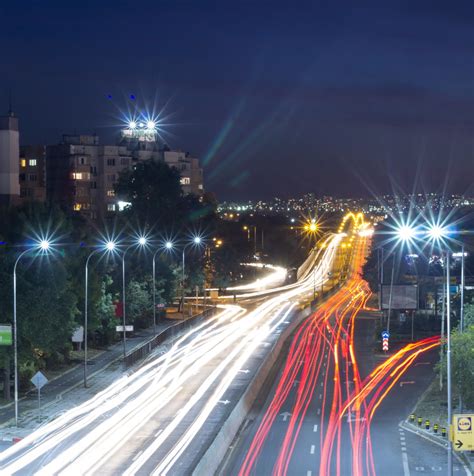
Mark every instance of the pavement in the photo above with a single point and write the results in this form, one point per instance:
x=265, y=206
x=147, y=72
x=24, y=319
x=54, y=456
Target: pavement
x=62, y=392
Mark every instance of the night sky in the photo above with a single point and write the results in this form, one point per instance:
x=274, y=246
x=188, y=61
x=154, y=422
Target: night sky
x=275, y=98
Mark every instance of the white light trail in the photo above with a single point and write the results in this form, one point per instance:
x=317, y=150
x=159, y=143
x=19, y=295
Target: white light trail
x=201, y=365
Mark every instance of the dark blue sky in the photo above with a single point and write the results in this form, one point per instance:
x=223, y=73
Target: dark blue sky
x=276, y=98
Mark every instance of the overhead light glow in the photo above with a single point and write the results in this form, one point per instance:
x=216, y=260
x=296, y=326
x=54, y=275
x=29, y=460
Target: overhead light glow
x=406, y=233
x=150, y=124
x=110, y=245
x=132, y=125
x=142, y=241
x=437, y=232
x=168, y=245
x=197, y=240
x=44, y=245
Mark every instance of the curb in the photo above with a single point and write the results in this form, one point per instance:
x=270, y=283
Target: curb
x=415, y=430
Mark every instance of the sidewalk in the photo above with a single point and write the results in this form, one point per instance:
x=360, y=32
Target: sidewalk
x=103, y=369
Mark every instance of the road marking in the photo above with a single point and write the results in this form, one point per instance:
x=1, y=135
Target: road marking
x=320, y=396
x=406, y=383
x=225, y=402
x=322, y=384
x=285, y=415
x=422, y=363
x=406, y=469
x=312, y=449
x=157, y=433
x=315, y=428
x=137, y=455
x=319, y=411
x=308, y=473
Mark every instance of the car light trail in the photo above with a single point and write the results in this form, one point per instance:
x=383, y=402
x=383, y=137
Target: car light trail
x=200, y=365
x=330, y=331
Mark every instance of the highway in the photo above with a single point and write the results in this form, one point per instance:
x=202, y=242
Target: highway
x=333, y=409
x=160, y=419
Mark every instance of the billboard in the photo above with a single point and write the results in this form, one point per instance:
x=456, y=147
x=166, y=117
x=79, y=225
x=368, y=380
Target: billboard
x=404, y=296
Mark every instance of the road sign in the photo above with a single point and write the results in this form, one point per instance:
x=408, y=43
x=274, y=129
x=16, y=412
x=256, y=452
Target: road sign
x=78, y=335
x=385, y=334
x=39, y=380
x=127, y=328
x=463, y=432
x=6, y=334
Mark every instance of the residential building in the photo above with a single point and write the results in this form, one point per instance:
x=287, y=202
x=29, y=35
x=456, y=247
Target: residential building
x=33, y=173
x=81, y=173
x=9, y=160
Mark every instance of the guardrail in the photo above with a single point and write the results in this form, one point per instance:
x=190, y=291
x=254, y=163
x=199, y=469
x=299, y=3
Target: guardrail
x=173, y=331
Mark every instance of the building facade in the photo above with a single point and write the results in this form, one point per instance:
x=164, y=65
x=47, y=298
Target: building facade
x=33, y=173
x=9, y=160
x=81, y=173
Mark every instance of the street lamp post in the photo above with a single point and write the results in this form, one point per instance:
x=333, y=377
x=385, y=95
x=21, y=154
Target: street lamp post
x=142, y=241
x=109, y=246
x=168, y=246
x=196, y=241
x=86, y=295
x=42, y=246
x=448, y=362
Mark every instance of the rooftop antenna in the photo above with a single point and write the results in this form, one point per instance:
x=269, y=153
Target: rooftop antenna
x=10, y=107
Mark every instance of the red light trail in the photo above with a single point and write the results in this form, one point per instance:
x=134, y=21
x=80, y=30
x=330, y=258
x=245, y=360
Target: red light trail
x=330, y=332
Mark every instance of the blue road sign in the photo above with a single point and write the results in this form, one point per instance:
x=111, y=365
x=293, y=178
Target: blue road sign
x=385, y=335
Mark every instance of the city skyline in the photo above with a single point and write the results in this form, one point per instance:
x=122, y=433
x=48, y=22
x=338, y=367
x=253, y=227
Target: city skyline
x=303, y=101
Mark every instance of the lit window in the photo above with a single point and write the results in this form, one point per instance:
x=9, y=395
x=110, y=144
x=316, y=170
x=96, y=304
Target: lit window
x=111, y=207
x=185, y=181
x=77, y=176
x=77, y=207
x=200, y=186
x=32, y=162
x=23, y=162
x=111, y=193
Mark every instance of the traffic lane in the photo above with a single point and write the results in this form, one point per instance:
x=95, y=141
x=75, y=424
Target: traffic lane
x=210, y=427
x=306, y=456
x=307, y=444
x=396, y=407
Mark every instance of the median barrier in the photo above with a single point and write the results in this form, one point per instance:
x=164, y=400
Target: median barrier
x=169, y=333
x=212, y=458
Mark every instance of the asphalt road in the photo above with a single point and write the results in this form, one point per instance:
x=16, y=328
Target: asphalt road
x=394, y=451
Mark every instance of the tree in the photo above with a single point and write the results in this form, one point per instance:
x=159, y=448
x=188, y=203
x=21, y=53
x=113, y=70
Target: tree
x=139, y=303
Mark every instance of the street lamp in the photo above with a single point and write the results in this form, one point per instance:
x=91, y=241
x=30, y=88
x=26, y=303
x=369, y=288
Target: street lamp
x=43, y=246
x=141, y=241
x=108, y=247
x=168, y=246
x=197, y=240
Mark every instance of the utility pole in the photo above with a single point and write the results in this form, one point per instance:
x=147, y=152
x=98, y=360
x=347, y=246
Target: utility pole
x=448, y=362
